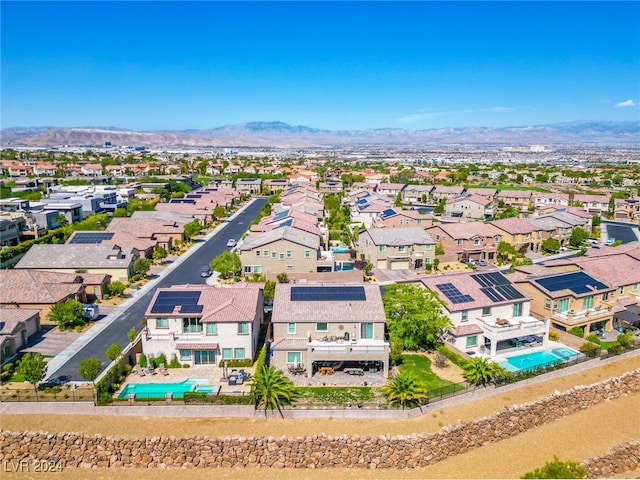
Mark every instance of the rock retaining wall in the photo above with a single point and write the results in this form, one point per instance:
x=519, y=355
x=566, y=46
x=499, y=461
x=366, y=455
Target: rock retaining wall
x=316, y=451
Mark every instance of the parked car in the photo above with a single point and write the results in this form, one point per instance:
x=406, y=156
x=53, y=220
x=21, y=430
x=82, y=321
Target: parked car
x=231, y=242
x=205, y=271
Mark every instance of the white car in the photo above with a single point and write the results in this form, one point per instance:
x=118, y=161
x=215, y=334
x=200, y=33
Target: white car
x=231, y=242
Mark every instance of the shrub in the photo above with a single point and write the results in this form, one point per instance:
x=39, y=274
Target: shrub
x=395, y=352
x=577, y=331
x=625, y=340
x=453, y=356
x=233, y=363
x=174, y=363
x=554, y=336
x=591, y=350
x=262, y=359
x=593, y=338
x=615, y=348
x=143, y=361
x=159, y=360
x=558, y=469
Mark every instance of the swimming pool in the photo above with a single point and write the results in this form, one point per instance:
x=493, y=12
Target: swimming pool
x=541, y=358
x=159, y=390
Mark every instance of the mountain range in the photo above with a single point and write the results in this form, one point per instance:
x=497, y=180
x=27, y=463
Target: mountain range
x=283, y=135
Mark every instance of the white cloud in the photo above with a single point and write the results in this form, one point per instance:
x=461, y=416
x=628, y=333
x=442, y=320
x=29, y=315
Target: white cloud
x=502, y=109
x=416, y=117
x=430, y=114
x=626, y=103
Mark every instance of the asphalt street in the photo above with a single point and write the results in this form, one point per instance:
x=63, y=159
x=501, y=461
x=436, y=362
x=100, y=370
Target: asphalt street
x=188, y=271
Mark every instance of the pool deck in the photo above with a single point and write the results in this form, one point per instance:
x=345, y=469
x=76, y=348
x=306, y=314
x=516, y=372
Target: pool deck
x=177, y=375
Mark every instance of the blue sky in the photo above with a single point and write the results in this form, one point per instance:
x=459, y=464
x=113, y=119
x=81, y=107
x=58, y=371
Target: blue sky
x=332, y=65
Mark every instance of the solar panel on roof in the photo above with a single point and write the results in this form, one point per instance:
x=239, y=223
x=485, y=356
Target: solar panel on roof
x=482, y=280
x=331, y=294
x=167, y=301
x=509, y=292
x=388, y=213
x=280, y=215
x=577, y=282
x=91, y=237
x=191, y=309
x=287, y=223
x=453, y=294
x=490, y=279
x=492, y=294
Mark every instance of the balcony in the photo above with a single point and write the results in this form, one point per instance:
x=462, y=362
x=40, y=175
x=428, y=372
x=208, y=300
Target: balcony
x=504, y=329
x=348, y=350
x=573, y=317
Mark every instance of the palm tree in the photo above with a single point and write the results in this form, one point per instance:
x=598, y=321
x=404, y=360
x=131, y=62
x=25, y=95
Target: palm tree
x=270, y=388
x=479, y=371
x=403, y=389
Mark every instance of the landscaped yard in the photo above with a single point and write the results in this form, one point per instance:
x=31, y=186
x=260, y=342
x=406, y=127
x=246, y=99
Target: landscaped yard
x=420, y=367
x=336, y=395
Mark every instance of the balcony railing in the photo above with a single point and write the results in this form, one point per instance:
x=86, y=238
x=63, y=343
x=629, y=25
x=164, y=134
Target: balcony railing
x=572, y=316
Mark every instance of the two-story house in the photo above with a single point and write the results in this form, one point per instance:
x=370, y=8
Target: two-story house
x=469, y=241
x=445, y=192
x=396, y=217
x=469, y=206
x=397, y=248
x=417, y=193
x=523, y=235
x=281, y=250
x=202, y=325
x=329, y=327
x=520, y=199
x=17, y=326
x=488, y=312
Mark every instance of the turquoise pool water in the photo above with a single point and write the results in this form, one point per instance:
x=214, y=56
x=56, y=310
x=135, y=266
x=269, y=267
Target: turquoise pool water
x=542, y=358
x=158, y=390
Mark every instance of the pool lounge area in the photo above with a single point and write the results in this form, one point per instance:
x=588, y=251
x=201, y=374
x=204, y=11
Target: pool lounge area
x=159, y=390
x=538, y=358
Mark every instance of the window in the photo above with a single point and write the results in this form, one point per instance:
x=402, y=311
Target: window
x=291, y=328
x=472, y=341
x=227, y=353
x=366, y=330
x=486, y=311
x=459, y=241
x=307, y=254
x=605, y=296
x=419, y=221
x=162, y=322
x=294, y=357
x=401, y=249
x=257, y=269
x=185, y=354
x=563, y=305
x=476, y=241
x=281, y=256
x=634, y=287
x=427, y=261
x=247, y=269
x=465, y=316
x=265, y=253
x=621, y=291
x=238, y=353
x=517, y=309
x=547, y=303
x=497, y=239
x=587, y=302
x=243, y=328
x=382, y=248
x=204, y=357
x=212, y=328
x=274, y=254
x=289, y=254
x=427, y=247
x=322, y=327
x=258, y=253
x=191, y=325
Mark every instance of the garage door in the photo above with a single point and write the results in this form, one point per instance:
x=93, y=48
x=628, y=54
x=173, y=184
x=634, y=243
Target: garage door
x=400, y=265
x=382, y=264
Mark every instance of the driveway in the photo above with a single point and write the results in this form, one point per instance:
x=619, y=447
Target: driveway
x=50, y=341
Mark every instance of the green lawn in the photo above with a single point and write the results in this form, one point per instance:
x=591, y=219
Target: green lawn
x=420, y=367
x=335, y=395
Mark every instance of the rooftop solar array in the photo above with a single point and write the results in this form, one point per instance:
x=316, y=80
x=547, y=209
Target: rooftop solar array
x=388, y=213
x=577, y=282
x=286, y=223
x=190, y=201
x=166, y=302
x=327, y=294
x=281, y=214
x=496, y=286
x=91, y=237
x=453, y=294
x=193, y=195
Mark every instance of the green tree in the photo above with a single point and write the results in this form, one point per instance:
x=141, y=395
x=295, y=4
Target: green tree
x=113, y=351
x=66, y=314
x=269, y=290
x=227, y=263
x=479, y=371
x=219, y=212
x=142, y=266
x=90, y=369
x=403, y=389
x=626, y=340
x=192, y=229
x=132, y=334
x=283, y=277
x=558, y=469
x=117, y=288
x=550, y=245
x=271, y=389
x=414, y=315
x=596, y=220
x=578, y=235
x=160, y=254
x=33, y=368
x=398, y=201
x=439, y=209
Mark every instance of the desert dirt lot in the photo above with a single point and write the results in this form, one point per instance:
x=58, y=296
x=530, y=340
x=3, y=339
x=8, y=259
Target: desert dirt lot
x=575, y=437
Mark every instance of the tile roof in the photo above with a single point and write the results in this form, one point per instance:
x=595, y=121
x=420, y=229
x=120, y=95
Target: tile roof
x=290, y=344
x=220, y=305
x=10, y=318
x=332, y=311
x=465, y=330
x=37, y=287
x=467, y=286
x=285, y=233
x=467, y=230
x=197, y=346
x=514, y=226
x=145, y=227
x=400, y=236
x=479, y=199
x=75, y=256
